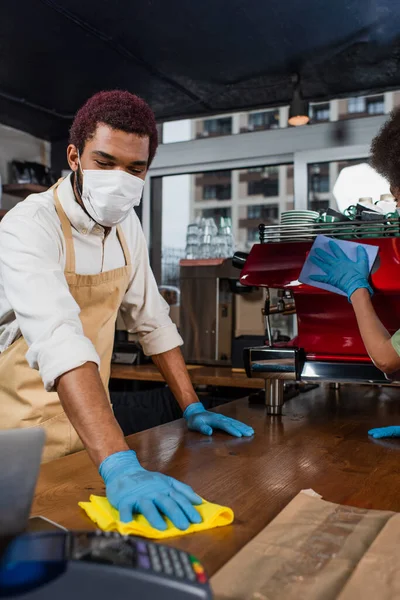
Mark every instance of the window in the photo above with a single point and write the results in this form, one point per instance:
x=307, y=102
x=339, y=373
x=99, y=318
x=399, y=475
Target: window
x=376, y=105
x=254, y=212
x=250, y=218
x=264, y=120
x=168, y=233
x=253, y=236
x=222, y=126
x=321, y=180
x=217, y=192
x=319, y=195
x=271, y=212
x=319, y=112
x=177, y=200
x=263, y=187
x=272, y=172
x=265, y=213
x=170, y=260
x=261, y=181
x=214, y=213
x=356, y=105
x=213, y=185
x=255, y=188
x=209, y=192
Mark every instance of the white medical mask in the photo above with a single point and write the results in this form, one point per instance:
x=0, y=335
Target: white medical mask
x=109, y=195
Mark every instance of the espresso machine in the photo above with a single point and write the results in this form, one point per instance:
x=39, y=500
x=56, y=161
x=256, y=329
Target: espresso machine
x=328, y=346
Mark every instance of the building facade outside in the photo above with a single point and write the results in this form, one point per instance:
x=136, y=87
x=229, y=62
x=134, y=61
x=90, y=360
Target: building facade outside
x=260, y=194
x=252, y=196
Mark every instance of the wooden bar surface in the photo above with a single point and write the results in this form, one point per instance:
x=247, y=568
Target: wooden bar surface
x=200, y=375
x=321, y=442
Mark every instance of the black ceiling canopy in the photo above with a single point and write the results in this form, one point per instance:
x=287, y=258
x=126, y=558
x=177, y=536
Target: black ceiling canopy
x=189, y=58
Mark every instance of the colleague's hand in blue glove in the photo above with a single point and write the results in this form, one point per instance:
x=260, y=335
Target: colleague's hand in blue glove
x=341, y=272
x=200, y=419
x=132, y=489
x=385, y=432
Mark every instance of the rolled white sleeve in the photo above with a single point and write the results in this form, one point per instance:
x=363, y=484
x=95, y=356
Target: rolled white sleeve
x=36, y=288
x=143, y=309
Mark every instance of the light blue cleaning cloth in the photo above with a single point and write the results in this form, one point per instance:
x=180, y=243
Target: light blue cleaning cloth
x=349, y=248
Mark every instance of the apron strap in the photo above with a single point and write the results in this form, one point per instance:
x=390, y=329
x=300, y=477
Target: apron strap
x=124, y=246
x=55, y=185
x=67, y=232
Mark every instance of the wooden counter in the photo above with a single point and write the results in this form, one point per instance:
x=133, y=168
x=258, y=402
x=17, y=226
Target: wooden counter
x=218, y=376
x=321, y=442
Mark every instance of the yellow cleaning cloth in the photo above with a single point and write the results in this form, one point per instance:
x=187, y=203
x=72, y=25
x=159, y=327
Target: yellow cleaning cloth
x=100, y=511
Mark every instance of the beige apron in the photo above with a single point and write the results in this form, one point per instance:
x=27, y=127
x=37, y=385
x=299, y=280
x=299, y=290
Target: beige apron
x=23, y=400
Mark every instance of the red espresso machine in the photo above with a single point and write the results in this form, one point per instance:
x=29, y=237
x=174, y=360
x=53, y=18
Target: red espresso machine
x=328, y=346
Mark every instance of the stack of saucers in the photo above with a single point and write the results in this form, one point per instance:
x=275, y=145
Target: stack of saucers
x=299, y=217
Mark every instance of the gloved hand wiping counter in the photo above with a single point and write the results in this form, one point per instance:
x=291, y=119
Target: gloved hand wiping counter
x=204, y=421
x=131, y=489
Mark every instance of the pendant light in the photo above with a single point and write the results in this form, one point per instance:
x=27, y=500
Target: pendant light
x=298, y=110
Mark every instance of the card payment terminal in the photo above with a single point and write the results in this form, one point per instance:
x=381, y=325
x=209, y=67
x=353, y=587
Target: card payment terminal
x=100, y=565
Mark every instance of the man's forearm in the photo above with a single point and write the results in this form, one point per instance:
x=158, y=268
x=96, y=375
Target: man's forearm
x=86, y=405
x=172, y=366
x=375, y=336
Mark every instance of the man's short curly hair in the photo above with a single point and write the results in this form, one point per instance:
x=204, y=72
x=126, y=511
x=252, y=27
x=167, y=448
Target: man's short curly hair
x=119, y=110
x=385, y=149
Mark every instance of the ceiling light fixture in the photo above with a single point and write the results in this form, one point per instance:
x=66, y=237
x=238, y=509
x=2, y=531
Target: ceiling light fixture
x=298, y=110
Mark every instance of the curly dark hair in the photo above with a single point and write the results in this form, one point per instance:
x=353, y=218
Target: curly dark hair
x=119, y=110
x=385, y=150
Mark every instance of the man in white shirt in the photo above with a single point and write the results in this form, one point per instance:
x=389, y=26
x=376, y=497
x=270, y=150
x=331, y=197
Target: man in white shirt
x=70, y=258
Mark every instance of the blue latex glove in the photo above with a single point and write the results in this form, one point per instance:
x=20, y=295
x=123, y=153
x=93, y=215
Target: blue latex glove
x=132, y=489
x=385, y=432
x=200, y=419
x=341, y=272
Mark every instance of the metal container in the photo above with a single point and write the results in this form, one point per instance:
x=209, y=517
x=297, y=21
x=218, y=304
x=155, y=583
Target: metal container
x=215, y=310
x=207, y=312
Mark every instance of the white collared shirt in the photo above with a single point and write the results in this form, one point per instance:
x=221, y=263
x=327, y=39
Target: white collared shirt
x=34, y=295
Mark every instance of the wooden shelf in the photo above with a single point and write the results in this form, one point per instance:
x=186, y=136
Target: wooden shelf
x=199, y=374
x=201, y=262
x=22, y=190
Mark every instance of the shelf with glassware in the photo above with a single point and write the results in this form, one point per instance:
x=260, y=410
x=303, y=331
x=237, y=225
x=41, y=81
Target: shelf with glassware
x=205, y=241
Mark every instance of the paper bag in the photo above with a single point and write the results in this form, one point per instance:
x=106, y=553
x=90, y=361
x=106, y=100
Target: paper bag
x=316, y=550
x=377, y=575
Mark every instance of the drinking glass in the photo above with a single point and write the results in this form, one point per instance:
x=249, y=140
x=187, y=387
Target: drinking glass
x=192, y=251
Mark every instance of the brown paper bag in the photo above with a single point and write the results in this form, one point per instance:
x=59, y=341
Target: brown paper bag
x=308, y=552
x=377, y=575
